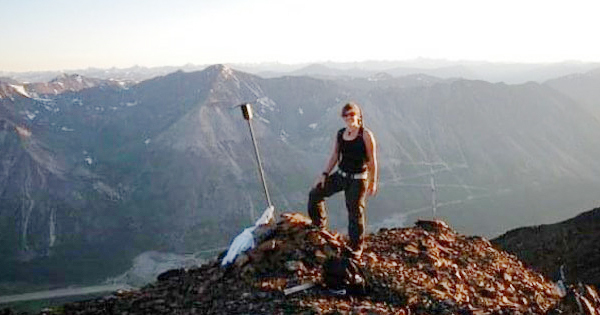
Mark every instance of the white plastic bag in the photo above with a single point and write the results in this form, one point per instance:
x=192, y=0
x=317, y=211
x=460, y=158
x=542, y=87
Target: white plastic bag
x=245, y=240
x=266, y=217
x=242, y=242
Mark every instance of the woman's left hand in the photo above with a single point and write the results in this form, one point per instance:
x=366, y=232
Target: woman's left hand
x=372, y=188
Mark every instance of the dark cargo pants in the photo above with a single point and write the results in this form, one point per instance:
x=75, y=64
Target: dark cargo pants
x=355, y=191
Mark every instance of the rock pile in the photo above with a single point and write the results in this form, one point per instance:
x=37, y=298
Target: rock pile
x=426, y=269
x=580, y=299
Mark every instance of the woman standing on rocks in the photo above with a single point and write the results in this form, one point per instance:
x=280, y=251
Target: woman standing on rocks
x=354, y=153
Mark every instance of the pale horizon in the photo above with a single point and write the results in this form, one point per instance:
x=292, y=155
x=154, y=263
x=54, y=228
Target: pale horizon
x=66, y=34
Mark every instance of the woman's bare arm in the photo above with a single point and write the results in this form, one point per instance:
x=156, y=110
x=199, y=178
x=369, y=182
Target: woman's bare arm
x=333, y=159
x=372, y=165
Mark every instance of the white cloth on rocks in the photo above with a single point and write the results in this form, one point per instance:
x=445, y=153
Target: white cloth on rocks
x=245, y=240
x=266, y=217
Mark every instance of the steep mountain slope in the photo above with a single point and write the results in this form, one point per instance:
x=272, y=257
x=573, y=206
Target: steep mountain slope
x=201, y=167
x=572, y=243
x=167, y=164
x=581, y=87
x=50, y=208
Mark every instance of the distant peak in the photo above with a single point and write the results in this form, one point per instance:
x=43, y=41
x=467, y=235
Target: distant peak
x=220, y=70
x=67, y=77
x=70, y=82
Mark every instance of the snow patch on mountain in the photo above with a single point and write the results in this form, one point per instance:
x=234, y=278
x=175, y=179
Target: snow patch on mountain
x=23, y=132
x=30, y=115
x=284, y=136
x=20, y=89
x=107, y=190
x=266, y=121
x=52, y=227
x=266, y=103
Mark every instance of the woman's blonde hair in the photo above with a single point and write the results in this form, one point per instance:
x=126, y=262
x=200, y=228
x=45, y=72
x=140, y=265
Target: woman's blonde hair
x=351, y=106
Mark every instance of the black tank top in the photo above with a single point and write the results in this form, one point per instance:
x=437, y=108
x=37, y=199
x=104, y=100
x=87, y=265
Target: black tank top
x=352, y=153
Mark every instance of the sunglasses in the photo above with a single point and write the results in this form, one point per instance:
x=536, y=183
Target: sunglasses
x=349, y=114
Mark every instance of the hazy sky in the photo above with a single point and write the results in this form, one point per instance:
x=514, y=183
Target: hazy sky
x=74, y=34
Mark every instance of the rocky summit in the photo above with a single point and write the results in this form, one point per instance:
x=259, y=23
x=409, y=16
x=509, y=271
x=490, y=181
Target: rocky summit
x=425, y=269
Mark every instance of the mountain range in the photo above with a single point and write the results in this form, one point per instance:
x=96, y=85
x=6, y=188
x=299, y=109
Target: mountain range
x=510, y=73
x=94, y=172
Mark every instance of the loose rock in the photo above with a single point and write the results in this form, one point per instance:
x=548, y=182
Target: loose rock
x=426, y=269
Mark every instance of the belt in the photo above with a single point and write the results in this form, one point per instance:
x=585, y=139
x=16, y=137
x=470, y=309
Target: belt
x=363, y=175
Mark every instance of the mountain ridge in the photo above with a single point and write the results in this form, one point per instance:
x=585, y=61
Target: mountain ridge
x=513, y=73
x=571, y=243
